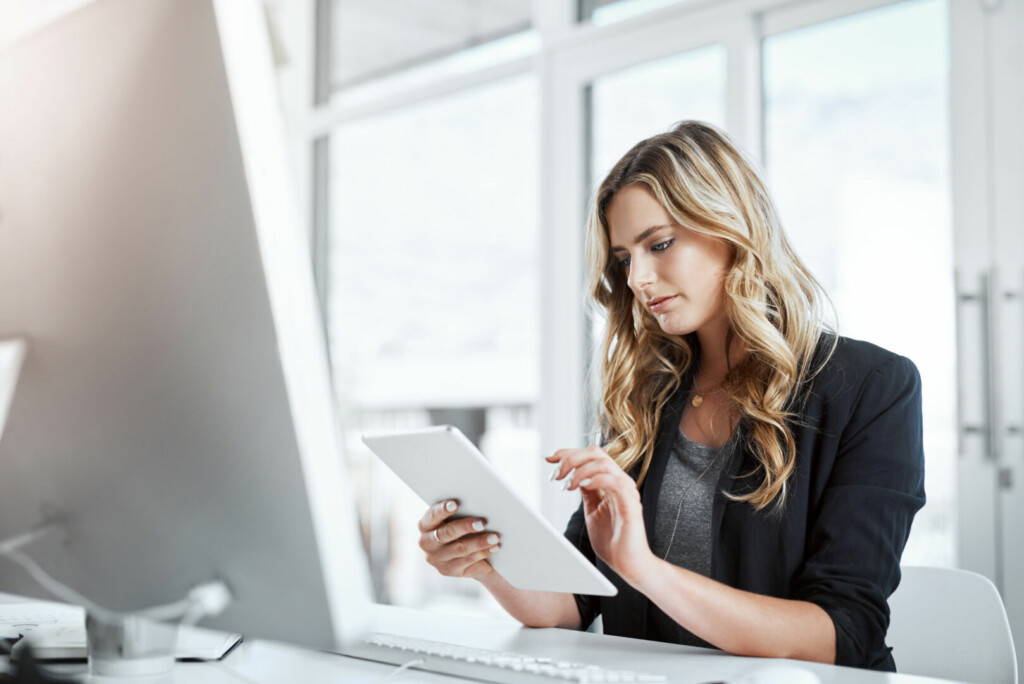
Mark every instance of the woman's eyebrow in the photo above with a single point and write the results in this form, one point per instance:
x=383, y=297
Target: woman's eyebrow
x=642, y=236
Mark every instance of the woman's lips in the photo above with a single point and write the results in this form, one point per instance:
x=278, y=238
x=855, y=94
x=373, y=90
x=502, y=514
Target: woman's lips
x=659, y=304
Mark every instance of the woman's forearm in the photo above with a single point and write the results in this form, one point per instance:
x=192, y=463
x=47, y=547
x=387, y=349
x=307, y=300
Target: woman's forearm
x=533, y=608
x=737, y=621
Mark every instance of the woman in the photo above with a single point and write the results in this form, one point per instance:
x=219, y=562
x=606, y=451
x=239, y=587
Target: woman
x=759, y=474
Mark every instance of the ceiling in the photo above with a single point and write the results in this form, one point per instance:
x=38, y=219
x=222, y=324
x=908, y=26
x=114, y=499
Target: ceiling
x=374, y=37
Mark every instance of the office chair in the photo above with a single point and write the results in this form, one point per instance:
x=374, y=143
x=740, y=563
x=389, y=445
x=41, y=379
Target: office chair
x=951, y=624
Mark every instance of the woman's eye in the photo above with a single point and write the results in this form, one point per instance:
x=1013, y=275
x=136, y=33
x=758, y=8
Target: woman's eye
x=660, y=247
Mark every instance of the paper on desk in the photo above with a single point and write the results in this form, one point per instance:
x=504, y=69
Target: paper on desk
x=58, y=632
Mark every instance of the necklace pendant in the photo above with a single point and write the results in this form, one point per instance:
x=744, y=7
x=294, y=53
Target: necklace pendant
x=696, y=401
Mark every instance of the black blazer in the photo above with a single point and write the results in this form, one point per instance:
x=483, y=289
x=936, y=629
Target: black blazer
x=858, y=482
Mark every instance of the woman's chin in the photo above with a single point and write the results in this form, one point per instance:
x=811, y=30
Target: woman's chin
x=673, y=325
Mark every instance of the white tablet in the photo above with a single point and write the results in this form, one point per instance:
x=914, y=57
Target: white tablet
x=441, y=463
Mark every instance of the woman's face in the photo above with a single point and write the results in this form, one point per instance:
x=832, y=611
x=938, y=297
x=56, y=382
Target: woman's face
x=661, y=259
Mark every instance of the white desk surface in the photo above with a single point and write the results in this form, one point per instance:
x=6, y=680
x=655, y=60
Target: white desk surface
x=265, y=662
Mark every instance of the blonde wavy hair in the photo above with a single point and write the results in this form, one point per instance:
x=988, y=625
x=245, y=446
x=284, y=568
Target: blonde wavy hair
x=774, y=305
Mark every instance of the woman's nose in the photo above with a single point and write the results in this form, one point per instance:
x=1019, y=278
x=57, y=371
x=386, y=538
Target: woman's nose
x=641, y=276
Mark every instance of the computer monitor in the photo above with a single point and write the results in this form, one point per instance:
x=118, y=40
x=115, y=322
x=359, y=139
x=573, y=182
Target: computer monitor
x=174, y=408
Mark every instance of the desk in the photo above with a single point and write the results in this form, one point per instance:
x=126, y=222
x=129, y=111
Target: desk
x=264, y=662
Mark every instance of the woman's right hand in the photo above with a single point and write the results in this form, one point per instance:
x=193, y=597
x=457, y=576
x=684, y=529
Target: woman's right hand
x=457, y=548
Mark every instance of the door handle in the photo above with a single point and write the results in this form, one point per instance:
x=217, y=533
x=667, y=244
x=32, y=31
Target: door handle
x=1013, y=426
x=981, y=298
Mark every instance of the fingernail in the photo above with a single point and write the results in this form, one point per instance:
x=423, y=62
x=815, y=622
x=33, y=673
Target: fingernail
x=492, y=539
x=478, y=526
x=451, y=506
x=554, y=473
x=584, y=482
x=494, y=549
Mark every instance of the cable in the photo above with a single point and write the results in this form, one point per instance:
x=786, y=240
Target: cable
x=61, y=591
x=9, y=548
x=208, y=600
x=202, y=601
x=14, y=543
x=411, y=663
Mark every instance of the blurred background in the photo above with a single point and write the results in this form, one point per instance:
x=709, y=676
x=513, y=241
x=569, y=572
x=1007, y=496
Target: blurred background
x=444, y=152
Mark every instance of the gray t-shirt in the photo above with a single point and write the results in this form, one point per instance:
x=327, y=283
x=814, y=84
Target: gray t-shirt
x=685, y=504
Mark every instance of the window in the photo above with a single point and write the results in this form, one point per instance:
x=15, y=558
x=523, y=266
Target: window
x=629, y=105
x=432, y=308
x=857, y=143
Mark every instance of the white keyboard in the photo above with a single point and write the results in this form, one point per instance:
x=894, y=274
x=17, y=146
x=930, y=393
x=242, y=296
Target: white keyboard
x=496, y=666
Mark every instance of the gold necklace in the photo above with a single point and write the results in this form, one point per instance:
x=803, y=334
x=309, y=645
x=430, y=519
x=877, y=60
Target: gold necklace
x=698, y=397
x=682, y=497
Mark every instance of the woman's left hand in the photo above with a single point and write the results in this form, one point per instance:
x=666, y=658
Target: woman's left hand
x=611, y=507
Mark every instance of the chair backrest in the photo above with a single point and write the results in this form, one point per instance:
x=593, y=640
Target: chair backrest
x=951, y=624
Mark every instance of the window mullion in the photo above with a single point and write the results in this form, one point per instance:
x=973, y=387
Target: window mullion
x=744, y=86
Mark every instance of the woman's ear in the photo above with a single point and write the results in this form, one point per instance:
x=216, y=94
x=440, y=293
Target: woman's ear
x=734, y=254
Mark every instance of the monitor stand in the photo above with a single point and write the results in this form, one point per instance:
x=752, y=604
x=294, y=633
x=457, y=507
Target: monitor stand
x=131, y=646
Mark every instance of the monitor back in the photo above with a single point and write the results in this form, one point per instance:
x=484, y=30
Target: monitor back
x=173, y=408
